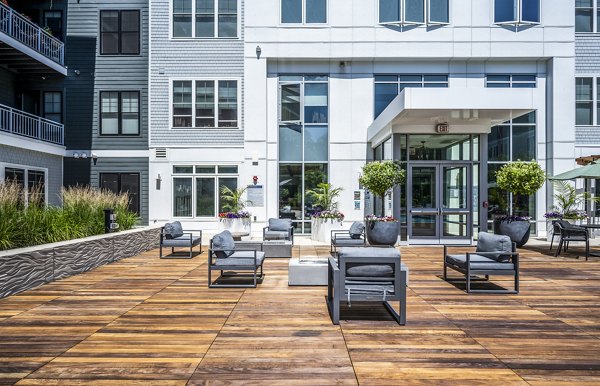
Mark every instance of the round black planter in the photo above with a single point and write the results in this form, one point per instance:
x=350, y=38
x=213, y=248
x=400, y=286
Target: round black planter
x=517, y=230
x=383, y=232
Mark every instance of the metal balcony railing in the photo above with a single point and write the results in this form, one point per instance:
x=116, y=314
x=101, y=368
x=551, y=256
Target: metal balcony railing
x=28, y=125
x=19, y=28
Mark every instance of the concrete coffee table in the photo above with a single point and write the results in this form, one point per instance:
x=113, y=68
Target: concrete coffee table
x=310, y=270
x=271, y=248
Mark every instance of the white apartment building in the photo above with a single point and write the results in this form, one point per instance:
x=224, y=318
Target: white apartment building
x=297, y=92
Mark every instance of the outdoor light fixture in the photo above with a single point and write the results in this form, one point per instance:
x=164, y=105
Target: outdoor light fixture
x=75, y=155
x=258, y=52
x=95, y=158
x=158, y=181
x=77, y=72
x=84, y=155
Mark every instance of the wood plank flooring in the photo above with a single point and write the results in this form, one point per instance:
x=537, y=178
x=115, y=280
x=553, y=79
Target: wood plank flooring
x=149, y=321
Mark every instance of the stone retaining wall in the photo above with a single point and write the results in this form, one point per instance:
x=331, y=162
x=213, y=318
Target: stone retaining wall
x=25, y=268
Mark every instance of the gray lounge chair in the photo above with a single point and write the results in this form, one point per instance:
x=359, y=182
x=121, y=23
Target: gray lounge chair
x=495, y=255
x=223, y=256
x=371, y=274
x=172, y=236
x=279, y=229
x=354, y=237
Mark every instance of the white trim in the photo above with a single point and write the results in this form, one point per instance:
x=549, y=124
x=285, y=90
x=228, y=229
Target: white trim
x=26, y=168
x=118, y=153
x=20, y=142
x=33, y=54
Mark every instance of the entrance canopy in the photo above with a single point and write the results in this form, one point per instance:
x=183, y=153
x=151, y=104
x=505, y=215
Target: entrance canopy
x=466, y=111
x=591, y=171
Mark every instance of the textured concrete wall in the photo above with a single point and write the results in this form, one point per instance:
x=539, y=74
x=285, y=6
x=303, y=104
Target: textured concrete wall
x=31, y=267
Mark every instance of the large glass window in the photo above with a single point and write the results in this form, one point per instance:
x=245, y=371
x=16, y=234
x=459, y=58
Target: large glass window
x=119, y=112
x=205, y=18
x=303, y=145
x=123, y=183
x=584, y=15
x=215, y=103
x=197, y=189
x=414, y=11
x=53, y=106
x=31, y=181
x=120, y=32
x=387, y=87
x=304, y=11
x=516, y=11
x=584, y=101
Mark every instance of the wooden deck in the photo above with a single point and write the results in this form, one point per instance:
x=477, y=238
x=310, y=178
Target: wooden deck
x=150, y=321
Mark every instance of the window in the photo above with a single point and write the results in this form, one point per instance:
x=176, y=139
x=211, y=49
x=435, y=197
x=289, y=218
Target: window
x=303, y=11
x=119, y=113
x=387, y=87
x=215, y=106
x=511, y=81
x=517, y=12
x=586, y=16
x=196, y=189
x=31, y=181
x=120, y=32
x=53, y=20
x=123, y=183
x=53, y=106
x=205, y=18
x=511, y=141
x=584, y=101
x=414, y=11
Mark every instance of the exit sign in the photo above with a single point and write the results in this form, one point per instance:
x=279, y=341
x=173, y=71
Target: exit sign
x=442, y=128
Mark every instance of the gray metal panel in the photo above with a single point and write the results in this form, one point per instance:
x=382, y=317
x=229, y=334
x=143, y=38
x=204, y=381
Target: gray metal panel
x=26, y=157
x=190, y=59
x=125, y=165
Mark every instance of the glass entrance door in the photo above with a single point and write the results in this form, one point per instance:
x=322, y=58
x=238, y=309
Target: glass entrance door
x=439, y=203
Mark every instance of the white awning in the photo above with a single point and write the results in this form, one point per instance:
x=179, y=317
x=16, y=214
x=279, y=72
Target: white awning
x=465, y=110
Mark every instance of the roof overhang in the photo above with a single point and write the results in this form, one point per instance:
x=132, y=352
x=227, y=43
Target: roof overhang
x=465, y=110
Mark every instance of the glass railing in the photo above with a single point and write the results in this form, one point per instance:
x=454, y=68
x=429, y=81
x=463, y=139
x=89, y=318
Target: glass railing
x=28, y=125
x=19, y=28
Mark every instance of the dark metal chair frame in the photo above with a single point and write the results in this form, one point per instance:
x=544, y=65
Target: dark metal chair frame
x=336, y=233
x=252, y=269
x=471, y=273
x=163, y=236
x=572, y=233
x=337, y=280
x=290, y=236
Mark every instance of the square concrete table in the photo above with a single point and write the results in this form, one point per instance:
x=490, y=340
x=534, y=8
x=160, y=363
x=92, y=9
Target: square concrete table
x=271, y=248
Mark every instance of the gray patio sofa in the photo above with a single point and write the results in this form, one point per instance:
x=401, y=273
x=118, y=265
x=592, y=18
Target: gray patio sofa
x=173, y=236
x=234, y=263
x=495, y=255
x=279, y=229
x=367, y=274
x=354, y=237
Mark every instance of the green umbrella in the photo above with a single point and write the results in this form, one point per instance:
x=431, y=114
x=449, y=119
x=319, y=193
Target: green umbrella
x=590, y=171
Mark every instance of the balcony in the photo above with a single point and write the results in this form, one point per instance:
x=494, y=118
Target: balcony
x=26, y=47
x=28, y=125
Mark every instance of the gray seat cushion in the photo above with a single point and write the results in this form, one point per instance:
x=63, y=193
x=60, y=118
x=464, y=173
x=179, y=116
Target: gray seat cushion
x=223, y=240
x=173, y=230
x=356, y=230
x=276, y=235
x=495, y=243
x=280, y=224
x=371, y=270
x=182, y=241
x=478, y=262
x=348, y=242
x=368, y=252
x=241, y=258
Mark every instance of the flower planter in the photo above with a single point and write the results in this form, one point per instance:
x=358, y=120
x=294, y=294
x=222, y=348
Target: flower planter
x=235, y=224
x=322, y=227
x=382, y=232
x=517, y=230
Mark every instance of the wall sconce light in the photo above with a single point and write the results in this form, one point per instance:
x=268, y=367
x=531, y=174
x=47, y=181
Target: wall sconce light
x=75, y=155
x=95, y=158
x=158, y=181
x=77, y=72
x=84, y=155
x=258, y=52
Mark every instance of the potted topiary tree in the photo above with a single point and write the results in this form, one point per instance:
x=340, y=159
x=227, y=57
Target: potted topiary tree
x=380, y=177
x=521, y=179
x=235, y=218
x=325, y=216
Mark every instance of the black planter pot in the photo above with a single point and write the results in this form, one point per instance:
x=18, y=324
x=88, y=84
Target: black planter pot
x=383, y=232
x=517, y=230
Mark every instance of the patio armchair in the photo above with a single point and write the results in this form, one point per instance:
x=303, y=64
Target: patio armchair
x=354, y=237
x=368, y=274
x=279, y=229
x=570, y=232
x=495, y=255
x=172, y=236
x=223, y=256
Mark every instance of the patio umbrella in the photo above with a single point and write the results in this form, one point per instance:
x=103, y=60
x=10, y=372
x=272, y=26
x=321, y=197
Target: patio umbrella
x=591, y=171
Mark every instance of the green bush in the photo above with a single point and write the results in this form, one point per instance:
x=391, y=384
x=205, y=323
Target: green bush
x=521, y=178
x=380, y=177
x=82, y=215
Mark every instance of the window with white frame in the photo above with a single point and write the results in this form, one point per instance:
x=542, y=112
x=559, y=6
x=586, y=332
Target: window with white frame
x=205, y=103
x=586, y=15
x=414, y=11
x=585, y=101
x=387, y=87
x=517, y=12
x=196, y=189
x=205, y=18
x=510, y=81
x=32, y=181
x=303, y=11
